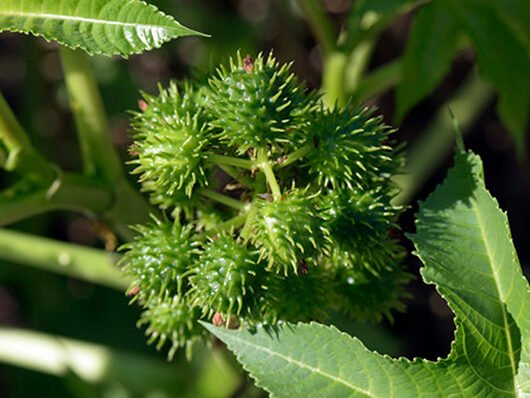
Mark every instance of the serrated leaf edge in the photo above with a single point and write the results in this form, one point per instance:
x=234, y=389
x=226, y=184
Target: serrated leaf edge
x=103, y=22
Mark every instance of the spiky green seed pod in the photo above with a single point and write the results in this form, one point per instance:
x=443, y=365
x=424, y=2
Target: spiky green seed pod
x=172, y=319
x=351, y=149
x=368, y=297
x=224, y=276
x=174, y=102
x=170, y=138
x=258, y=103
x=359, y=224
x=295, y=298
x=159, y=257
x=289, y=231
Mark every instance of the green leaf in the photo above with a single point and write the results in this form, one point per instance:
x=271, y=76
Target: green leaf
x=464, y=241
x=430, y=49
x=516, y=14
x=503, y=56
x=106, y=27
x=500, y=34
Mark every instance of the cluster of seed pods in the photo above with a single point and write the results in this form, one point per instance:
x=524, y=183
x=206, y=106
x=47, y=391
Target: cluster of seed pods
x=274, y=207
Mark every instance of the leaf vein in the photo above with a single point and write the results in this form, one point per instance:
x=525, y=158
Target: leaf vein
x=305, y=366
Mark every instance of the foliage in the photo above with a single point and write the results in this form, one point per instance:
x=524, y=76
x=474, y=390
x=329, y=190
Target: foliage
x=272, y=243
x=99, y=27
x=275, y=204
x=498, y=30
x=464, y=240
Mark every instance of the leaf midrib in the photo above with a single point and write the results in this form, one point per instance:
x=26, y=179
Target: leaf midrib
x=496, y=279
x=304, y=366
x=62, y=17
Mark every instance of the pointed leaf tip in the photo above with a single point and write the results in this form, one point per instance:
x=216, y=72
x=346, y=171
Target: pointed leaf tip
x=107, y=27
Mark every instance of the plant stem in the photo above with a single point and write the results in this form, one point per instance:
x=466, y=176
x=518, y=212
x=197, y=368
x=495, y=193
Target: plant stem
x=438, y=138
x=358, y=61
x=247, y=227
x=264, y=164
x=92, y=363
x=92, y=265
x=343, y=73
x=333, y=78
x=219, y=375
x=378, y=81
x=261, y=182
x=233, y=223
x=129, y=208
x=11, y=132
x=298, y=154
x=82, y=194
x=223, y=199
x=21, y=155
x=236, y=175
x=67, y=192
x=99, y=157
x=230, y=161
x=320, y=25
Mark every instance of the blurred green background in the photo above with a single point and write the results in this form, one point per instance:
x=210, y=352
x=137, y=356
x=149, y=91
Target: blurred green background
x=32, y=82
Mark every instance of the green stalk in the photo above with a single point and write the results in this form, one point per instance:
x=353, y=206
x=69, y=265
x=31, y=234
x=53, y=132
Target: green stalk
x=236, y=175
x=246, y=231
x=223, y=199
x=230, y=161
x=333, y=79
x=296, y=155
x=357, y=64
x=320, y=25
x=68, y=192
x=11, y=132
x=92, y=363
x=233, y=223
x=99, y=157
x=129, y=208
x=92, y=265
x=261, y=182
x=378, y=81
x=264, y=164
x=343, y=73
x=21, y=155
x=82, y=194
x=438, y=139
